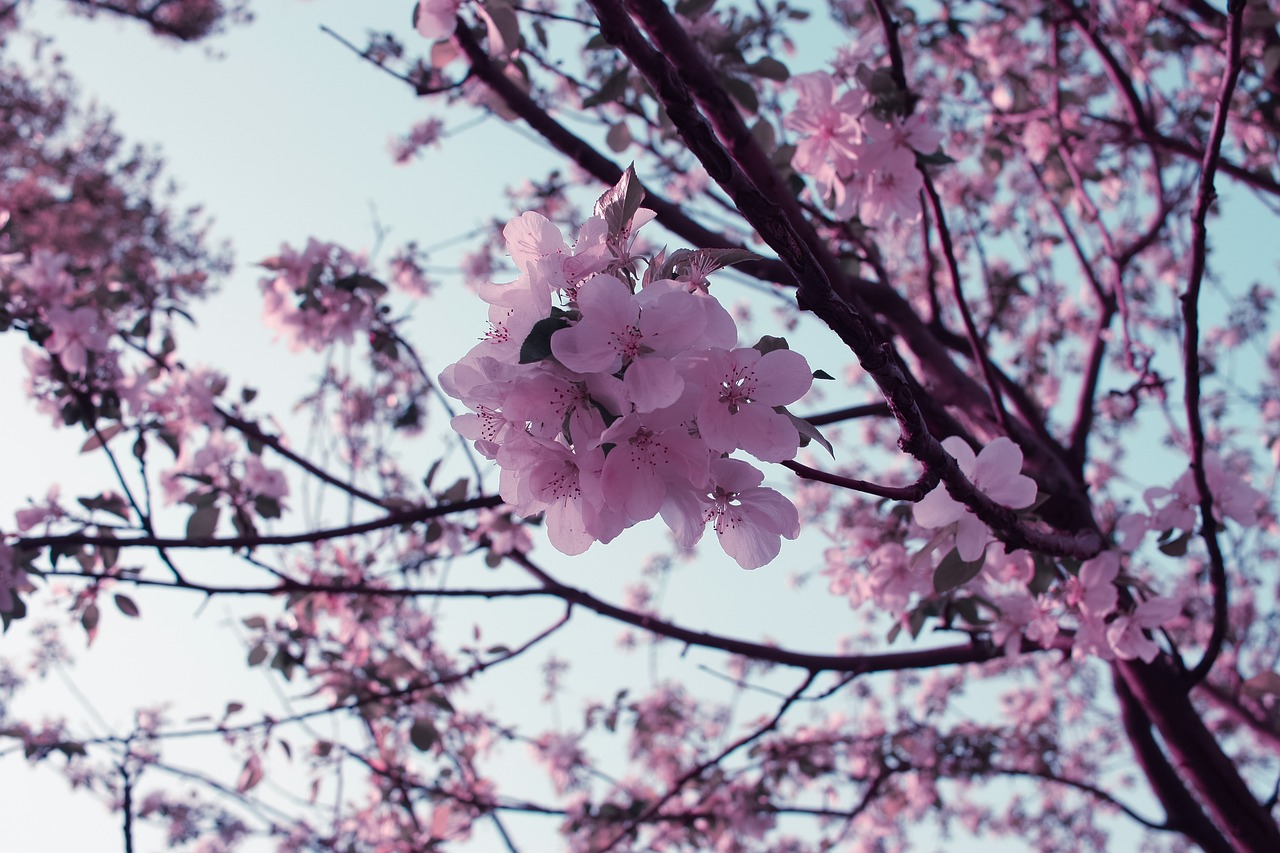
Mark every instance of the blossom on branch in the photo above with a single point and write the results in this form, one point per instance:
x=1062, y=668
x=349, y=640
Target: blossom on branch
x=996, y=473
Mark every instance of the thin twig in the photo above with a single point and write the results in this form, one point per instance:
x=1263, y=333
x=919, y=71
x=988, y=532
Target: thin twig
x=1191, y=342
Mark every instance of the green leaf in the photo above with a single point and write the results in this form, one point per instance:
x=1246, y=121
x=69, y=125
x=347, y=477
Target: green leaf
x=742, y=92
x=504, y=29
x=89, y=620
x=537, y=345
x=1046, y=574
x=693, y=9
x=611, y=90
x=618, y=204
x=1263, y=684
x=14, y=613
x=822, y=374
x=250, y=776
x=114, y=504
x=1176, y=547
x=360, y=281
x=108, y=553
x=808, y=432
x=682, y=262
x=203, y=522
x=769, y=68
x=126, y=605
x=284, y=662
x=440, y=701
x=101, y=437
x=257, y=654
x=423, y=734
x=267, y=507
x=455, y=493
x=768, y=343
x=954, y=572
x=619, y=137
x=937, y=158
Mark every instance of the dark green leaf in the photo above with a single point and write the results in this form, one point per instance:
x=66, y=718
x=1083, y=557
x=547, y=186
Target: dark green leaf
x=808, y=432
x=423, y=734
x=768, y=343
x=769, y=68
x=619, y=204
x=267, y=507
x=257, y=654
x=537, y=346
x=618, y=138
x=360, y=281
x=1176, y=547
x=742, y=92
x=954, y=572
x=101, y=437
x=611, y=90
x=114, y=504
x=937, y=158
x=203, y=522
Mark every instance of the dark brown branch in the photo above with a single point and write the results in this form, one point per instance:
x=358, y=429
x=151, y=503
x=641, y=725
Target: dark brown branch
x=1194, y=753
x=394, y=519
x=288, y=586
x=915, y=492
x=1084, y=787
x=600, y=167
x=1182, y=812
x=821, y=288
x=976, y=349
x=256, y=433
x=975, y=651
x=1261, y=728
x=867, y=410
x=1191, y=341
x=695, y=772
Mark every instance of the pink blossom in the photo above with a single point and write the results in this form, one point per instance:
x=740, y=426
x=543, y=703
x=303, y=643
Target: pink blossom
x=738, y=392
x=436, y=19
x=893, y=184
x=1128, y=634
x=750, y=521
x=644, y=460
x=639, y=332
x=76, y=333
x=996, y=473
x=829, y=123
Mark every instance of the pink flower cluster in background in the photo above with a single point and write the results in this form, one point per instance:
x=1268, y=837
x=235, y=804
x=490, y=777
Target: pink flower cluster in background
x=862, y=160
x=607, y=399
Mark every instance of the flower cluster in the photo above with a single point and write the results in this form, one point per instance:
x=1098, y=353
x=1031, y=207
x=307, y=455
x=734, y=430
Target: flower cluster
x=608, y=399
x=862, y=159
x=319, y=295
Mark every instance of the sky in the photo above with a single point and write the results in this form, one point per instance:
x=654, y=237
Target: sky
x=284, y=138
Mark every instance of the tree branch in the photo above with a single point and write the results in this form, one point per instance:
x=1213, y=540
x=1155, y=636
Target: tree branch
x=393, y=519
x=1191, y=342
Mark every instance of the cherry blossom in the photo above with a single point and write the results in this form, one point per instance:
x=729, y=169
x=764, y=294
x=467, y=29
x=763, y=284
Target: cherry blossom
x=996, y=473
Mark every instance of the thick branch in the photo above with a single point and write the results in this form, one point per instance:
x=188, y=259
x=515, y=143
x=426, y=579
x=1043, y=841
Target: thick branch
x=820, y=290
x=1197, y=758
x=1182, y=812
